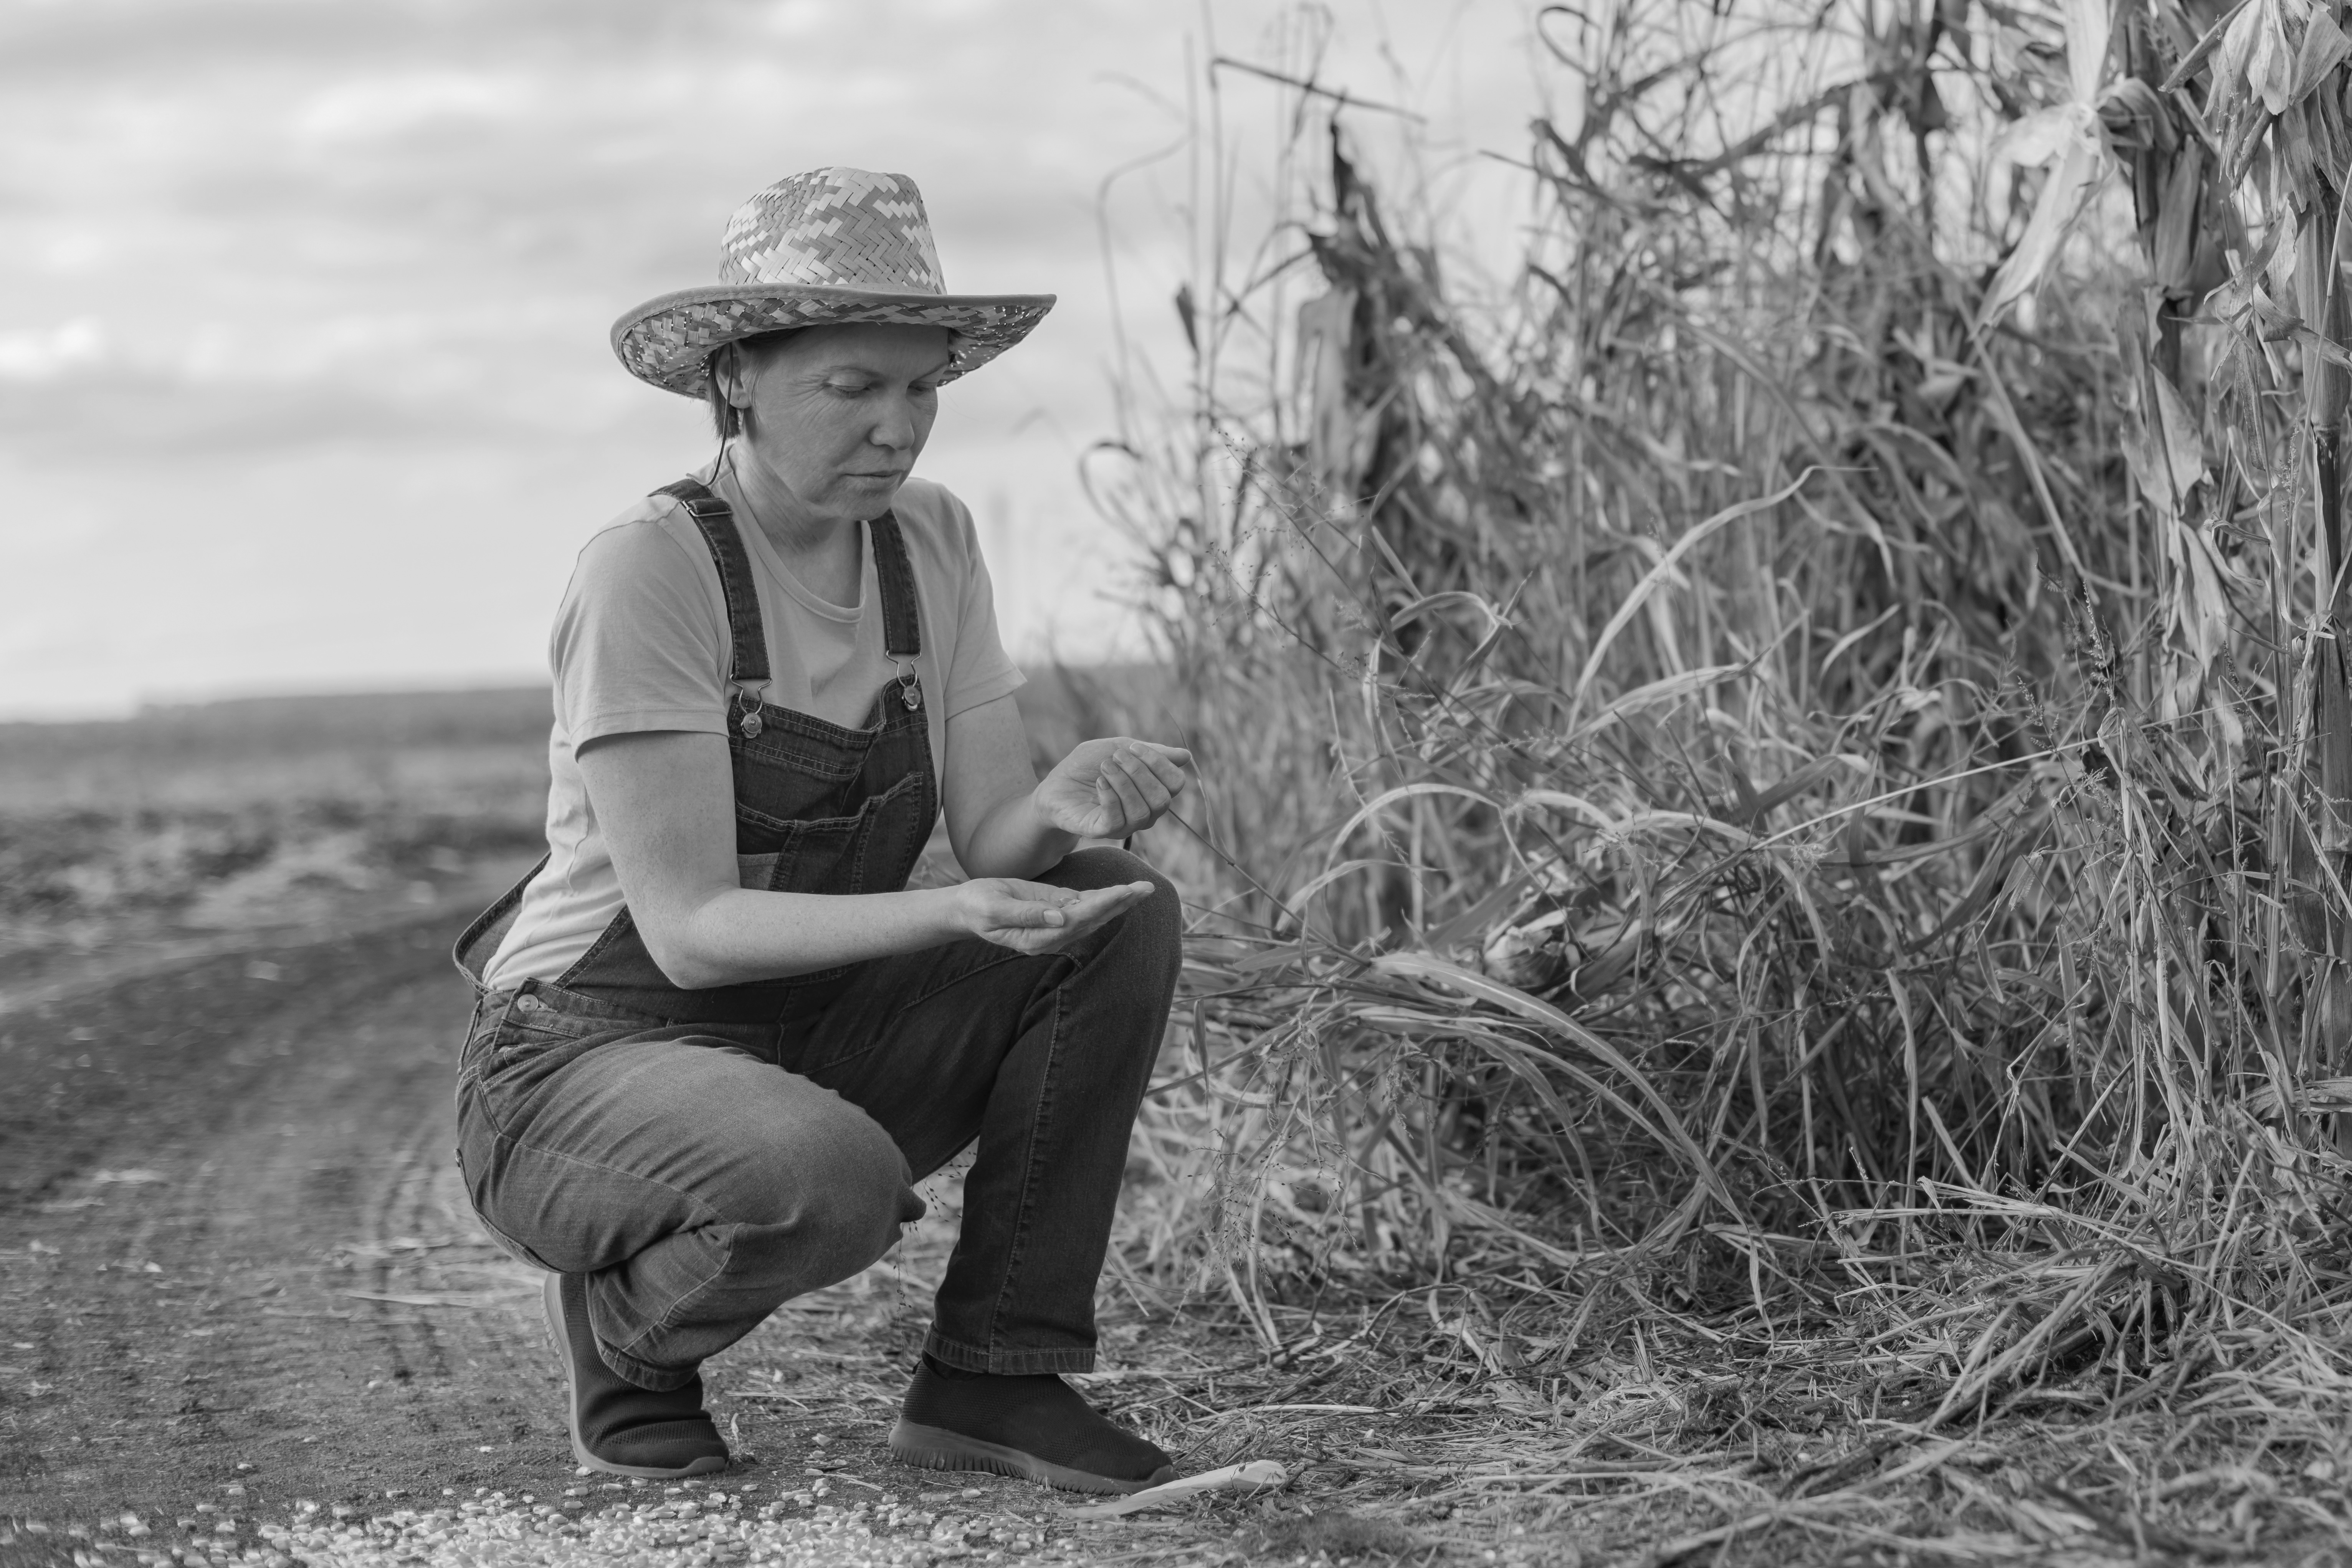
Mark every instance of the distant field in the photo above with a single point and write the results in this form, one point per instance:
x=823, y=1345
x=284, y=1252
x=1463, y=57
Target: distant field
x=266, y=813
x=238, y=753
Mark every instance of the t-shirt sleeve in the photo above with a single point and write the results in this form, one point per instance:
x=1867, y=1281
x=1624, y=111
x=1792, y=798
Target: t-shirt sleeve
x=981, y=671
x=637, y=644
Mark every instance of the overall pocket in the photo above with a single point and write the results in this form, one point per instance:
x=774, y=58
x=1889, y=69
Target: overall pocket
x=870, y=852
x=531, y=1038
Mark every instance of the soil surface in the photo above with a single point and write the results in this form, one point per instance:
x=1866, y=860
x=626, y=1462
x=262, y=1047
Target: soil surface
x=236, y=1250
x=238, y=1275
x=241, y=1289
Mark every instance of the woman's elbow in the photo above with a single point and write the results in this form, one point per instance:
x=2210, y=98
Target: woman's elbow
x=680, y=959
x=695, y=977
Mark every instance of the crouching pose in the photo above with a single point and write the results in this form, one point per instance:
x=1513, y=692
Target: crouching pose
x=717, y=1039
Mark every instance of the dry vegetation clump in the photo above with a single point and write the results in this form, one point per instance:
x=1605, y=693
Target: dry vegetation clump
x=1774, y=966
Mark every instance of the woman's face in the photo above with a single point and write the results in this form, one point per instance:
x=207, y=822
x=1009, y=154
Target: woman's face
x=837, y=415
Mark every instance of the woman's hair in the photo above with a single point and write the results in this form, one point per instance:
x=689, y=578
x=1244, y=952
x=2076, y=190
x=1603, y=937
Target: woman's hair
x=725, y=418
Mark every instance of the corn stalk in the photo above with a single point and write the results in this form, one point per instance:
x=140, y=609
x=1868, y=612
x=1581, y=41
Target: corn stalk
x=1811, y=737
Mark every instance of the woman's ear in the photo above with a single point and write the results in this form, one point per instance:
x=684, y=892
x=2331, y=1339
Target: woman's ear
x=724, y=370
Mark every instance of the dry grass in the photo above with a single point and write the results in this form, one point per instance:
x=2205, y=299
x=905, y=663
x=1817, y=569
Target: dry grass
x=1772, y=861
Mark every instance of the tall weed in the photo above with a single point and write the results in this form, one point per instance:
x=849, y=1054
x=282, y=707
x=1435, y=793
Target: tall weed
x=1800, y=757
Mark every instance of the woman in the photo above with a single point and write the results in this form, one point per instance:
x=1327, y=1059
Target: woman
x=717, y=1039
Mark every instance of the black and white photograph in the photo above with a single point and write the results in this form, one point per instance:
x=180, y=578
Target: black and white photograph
x=882, y=783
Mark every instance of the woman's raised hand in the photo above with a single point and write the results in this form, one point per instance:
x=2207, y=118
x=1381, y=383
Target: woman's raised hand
x=1108, y=789
x=1029, y=917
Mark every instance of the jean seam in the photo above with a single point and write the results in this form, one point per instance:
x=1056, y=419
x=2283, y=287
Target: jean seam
x=514, y=1144
x=508, y=1242
x=997, y=960
x=879, y=806
x=494, y=1055
x=619, y=926
x=795, y=828
x=515, y=1041
x=481, y=1097
x=808, y=727
x=696, y=1204
x=1028, y=1175
x=1071, y=1359
x=1002, y=957
x=657, y=1379
x=669, y=1314
x=612, y=1170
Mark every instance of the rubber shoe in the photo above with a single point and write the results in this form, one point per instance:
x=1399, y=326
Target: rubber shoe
x=1033, y=1428
x=616, y=1426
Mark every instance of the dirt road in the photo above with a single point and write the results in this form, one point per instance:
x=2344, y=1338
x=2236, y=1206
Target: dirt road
x=237, y=1274
x=236, y=1249
x=240, y=1287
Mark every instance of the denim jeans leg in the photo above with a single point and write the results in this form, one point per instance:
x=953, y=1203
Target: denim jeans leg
x=696, y=1186
x=1044, y=1060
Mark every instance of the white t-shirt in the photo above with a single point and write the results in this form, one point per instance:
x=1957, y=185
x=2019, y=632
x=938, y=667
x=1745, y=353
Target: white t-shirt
x=640, y=643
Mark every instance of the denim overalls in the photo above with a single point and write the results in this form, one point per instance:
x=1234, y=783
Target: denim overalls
x=818, y=808
x=703, y=1155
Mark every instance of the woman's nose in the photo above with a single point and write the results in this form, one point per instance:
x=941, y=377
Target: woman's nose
x=895, y=428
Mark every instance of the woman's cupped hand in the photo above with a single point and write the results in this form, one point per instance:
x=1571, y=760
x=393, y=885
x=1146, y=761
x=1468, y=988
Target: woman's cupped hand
x=1111, y=788
x=1031, y=917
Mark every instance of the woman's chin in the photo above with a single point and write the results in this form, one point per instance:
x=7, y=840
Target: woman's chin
x=866, y=492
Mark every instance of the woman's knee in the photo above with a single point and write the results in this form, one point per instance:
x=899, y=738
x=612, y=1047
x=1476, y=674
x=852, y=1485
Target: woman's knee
x=827, y=1201
x=845, y=1187
x=1157, y=924
x=875, y=1188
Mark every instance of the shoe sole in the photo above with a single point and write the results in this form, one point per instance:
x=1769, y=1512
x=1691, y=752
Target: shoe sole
x=550, y=1299
x=936, y=1449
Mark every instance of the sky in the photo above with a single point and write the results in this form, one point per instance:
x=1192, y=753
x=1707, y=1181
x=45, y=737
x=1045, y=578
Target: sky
x=304, y=379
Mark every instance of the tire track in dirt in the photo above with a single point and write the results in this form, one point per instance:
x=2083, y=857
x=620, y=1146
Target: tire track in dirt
x=234, y=1250
x=238, y=1272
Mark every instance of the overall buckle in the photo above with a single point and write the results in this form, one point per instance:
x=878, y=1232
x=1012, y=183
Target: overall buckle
x=747, y=711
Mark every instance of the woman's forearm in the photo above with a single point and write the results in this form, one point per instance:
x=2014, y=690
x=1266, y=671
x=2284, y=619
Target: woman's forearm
x=740, y=934
x=1012, y=840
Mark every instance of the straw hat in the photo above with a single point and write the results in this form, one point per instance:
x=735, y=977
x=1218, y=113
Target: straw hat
x=815, y=249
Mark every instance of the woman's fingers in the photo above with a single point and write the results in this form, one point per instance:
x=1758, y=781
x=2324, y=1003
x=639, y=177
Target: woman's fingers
x=1035, y=892
x=1135, y=784
x=1098, y=904
x=1036, y=917
x=1041, y=904
x=1166, y=764
x=1080, y=914
x=1078, y=927
x=1111, y=788
x=1120, y=774
x=1027, y=906
x=1155, y=780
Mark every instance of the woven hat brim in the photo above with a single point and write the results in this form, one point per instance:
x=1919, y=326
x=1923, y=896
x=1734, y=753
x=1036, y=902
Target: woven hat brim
x=668, y=341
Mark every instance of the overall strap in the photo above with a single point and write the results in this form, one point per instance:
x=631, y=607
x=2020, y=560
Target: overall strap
x=902, y=628
x=744, y=629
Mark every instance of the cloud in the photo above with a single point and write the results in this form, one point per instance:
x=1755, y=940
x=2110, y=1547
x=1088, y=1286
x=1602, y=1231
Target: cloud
x=143, y=418
x=241, y=239
x=375, y=107
x=45, y=353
